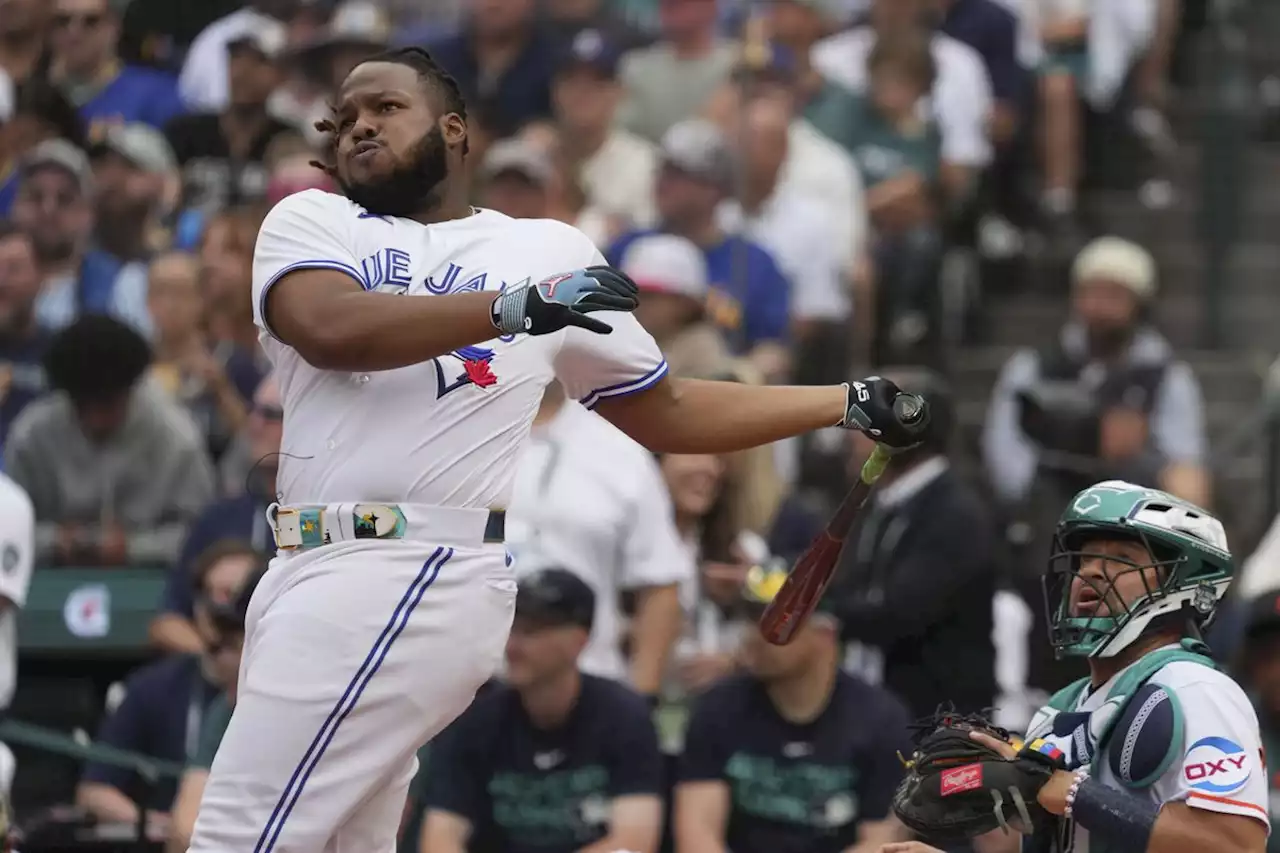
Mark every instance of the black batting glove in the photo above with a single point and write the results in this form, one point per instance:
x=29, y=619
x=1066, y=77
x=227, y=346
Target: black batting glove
x=870, y=408
x=565, y=300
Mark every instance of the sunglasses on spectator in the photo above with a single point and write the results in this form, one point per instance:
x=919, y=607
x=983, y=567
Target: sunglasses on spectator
x=270, y=413
x=88, y=20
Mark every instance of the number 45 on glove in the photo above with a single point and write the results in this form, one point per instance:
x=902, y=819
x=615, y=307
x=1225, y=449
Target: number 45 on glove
x=957, y=788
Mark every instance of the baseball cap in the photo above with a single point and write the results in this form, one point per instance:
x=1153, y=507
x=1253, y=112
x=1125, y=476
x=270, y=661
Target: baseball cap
x=518, y=156
x=698, y=148
x=555, y=598
x=140, y=144
x=1118, y=260
x=667, y=263
x=590, y=49
x=355, y=23
x=267, y=36
x=60, y=154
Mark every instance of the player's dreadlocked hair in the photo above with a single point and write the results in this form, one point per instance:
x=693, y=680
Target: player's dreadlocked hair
x=428, y=70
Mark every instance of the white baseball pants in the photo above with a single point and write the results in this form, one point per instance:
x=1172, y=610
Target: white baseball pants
x=356, y=654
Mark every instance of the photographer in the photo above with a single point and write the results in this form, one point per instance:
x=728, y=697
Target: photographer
x=1107, y=400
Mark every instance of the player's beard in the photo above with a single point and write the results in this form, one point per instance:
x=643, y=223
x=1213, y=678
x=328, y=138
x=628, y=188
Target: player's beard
x=411, y=187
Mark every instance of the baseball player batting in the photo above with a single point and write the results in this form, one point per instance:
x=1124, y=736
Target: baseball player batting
x=1156, y=751
x=413, y=335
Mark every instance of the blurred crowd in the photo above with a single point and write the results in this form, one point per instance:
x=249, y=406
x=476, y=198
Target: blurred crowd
x=792, y=184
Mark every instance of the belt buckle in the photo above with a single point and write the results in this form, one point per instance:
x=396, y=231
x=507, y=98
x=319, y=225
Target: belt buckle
x=287, y=528
x=378, y=521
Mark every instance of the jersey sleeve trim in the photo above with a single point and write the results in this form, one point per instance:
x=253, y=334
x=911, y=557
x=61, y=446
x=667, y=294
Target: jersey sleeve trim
x=623, y=389
x=294, y=267
x=1226, y=805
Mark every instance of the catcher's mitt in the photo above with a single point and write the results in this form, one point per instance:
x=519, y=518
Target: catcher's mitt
x=957, y=788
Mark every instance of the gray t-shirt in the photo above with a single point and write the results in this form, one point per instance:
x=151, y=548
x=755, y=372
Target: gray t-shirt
x=662, y=89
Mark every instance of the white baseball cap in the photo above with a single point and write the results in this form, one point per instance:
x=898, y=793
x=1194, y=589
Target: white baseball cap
x=665, y=263
x=1118, y=260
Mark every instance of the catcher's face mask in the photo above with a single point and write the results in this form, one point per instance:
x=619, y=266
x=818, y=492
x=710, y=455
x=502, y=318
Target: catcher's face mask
x=1124, y=555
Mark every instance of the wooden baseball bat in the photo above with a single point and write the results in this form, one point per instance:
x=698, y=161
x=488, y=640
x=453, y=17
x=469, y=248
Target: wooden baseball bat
x=815, y=568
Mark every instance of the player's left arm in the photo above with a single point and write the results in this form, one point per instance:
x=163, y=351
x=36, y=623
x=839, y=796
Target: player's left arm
x=624, y=376
x=1214, y=795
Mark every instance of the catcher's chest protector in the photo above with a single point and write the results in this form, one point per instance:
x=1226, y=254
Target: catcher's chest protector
x=1138, y=727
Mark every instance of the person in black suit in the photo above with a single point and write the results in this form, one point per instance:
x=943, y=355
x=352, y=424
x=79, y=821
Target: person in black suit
x=916, y=579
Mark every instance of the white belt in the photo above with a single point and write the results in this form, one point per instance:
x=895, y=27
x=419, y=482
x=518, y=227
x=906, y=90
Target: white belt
x=304, y=526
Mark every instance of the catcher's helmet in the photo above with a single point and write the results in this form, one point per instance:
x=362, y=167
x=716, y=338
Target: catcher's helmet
x=1188, y=553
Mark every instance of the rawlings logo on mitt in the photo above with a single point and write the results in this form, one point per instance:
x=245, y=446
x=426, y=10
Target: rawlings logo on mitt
x=957, y=788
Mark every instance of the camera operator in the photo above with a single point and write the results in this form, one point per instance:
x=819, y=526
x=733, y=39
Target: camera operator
x=1107, y=400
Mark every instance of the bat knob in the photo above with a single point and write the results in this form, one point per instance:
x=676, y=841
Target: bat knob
x=909, y=409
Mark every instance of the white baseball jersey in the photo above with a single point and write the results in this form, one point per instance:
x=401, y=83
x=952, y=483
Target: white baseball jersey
x=447, y=432
x=1222, y=766
x=589, y=499
x=17, y=553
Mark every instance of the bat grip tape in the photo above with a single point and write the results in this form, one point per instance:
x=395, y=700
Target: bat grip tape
x=875, y=464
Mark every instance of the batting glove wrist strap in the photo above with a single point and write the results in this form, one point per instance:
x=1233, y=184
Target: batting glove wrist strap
x=508, y=312
x=1123, y=819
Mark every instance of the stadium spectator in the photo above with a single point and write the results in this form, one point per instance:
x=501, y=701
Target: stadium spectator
x=1258, y=668
x=916, y=610
x=228, y=621
x=992, y=31
x=24, y=43
x=54, y=205
x=136, y=186
x=960, y=98
x=23, y=341
x=672, y=276
x=898, y=154
x=1108, y=400
x=240, y=517
x=517, y=177
x=85, y=65
x=214, y=387
x=357, y=30
x=205, y=78
x=226, y=260
x=1064, y=38
x=17, y=555
x=114, y=469
x=673, y=79
x=503, y=63
x=165, y=702
x=793, y=754
x=568, y=18
x=590, y=500
x=40, y=112
x=749, y=298
x=554, y=760
x=814, y=166
x=614, y=166
x=221, y=153
x=566, y=200
x=289, y=163
x=791, y=226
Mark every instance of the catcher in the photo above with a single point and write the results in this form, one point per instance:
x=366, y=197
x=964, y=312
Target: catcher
x=1156, y=750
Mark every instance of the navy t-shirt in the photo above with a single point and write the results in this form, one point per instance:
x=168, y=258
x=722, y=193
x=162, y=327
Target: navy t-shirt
x=749, y=299
x=526, y=790
x=793, y=787
x=242, y=517
x=160, y=717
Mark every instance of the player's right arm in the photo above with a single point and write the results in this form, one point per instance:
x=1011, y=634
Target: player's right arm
x=444, y=832
x=309, y=293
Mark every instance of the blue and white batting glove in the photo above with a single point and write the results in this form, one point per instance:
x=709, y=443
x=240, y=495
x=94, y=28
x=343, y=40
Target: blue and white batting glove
x=565, y=300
